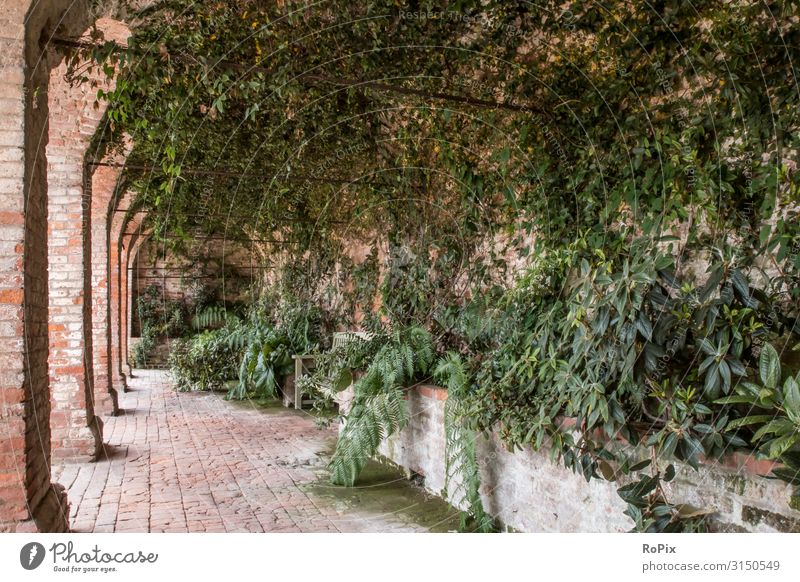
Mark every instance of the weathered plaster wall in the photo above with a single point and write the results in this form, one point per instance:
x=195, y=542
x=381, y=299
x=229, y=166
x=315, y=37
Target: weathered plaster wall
x=528, y=492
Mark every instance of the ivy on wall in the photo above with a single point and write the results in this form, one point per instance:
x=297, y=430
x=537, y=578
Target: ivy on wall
x=593, y=207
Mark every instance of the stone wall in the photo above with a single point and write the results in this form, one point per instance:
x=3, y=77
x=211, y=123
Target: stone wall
x=528, y=492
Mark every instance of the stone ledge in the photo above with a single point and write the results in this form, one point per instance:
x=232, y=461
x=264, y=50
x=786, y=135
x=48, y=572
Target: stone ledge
x=527, y=491
x=739, y=462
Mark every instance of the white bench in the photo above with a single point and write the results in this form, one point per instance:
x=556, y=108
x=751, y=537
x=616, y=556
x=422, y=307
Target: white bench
x=303, y=363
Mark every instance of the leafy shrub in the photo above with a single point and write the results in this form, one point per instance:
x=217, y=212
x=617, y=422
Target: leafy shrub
x=267, y=342
x=205, y=361
x=619, y=341
x=158, y=317
x=266, y=358
x=143, y=348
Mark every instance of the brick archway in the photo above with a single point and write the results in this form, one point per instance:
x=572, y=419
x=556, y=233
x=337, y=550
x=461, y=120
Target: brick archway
x=28, y=499
x=131, y=243
x=118, y=220
x=75, y=235
x=104, y=183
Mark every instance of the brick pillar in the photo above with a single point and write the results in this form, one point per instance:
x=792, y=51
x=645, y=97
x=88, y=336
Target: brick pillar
x=77, y=232
x=104, y=182
x=116, y=325
x=28, y=499
x=131, y=243
x=76, y=430
x=124, y=297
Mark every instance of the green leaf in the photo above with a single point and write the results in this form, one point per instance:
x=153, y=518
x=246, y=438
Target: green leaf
x=735, y=400
x=711, y=386
x=782, y=444
x=748, y=420
x=786, y=474
x=736, y=366
x=763, y=234
x=344, y=381
x=707, y=347
x=778, y=425
x=692, y=449
x=644, y=326
x=606, y=470
x=741, y=285
x=769, y=366
x=670, y=444
x=725, y=374
x=791, y=398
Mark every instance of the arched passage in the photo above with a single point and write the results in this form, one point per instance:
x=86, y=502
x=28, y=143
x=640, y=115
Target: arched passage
x=75, y=118
x=130, y=245
x=117, y=221
x=30, y=500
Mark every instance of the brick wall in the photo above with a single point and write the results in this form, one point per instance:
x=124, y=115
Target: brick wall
x=28, y=500
x=528, y=492
x=225, y=267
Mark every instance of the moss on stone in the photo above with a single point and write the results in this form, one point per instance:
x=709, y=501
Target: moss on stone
x=383, y=489
x=781, y=523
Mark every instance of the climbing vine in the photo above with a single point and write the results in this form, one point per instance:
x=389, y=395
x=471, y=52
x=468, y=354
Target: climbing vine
x=591, y=209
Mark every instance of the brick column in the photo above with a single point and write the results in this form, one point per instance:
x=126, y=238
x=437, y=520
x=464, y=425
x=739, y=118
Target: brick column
x=116, y=326
x=76, y=430
x=28, y=499
x=131, y=244
x=24, y=406
x=124, y=298
x=78, y=238
x=104, y=180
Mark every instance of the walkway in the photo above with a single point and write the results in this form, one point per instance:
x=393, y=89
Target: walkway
x=193, y=462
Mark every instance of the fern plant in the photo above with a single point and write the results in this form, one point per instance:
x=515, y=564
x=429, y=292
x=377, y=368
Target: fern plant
x=267, y=344
x=374, y=418
x=212, y=316
x=462, y=474
x=379, y=408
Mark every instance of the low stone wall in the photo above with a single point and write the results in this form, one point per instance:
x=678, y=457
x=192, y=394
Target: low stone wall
x=527, y=491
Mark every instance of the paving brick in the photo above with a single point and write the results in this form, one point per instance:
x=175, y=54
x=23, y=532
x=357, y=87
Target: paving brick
x=213, y=466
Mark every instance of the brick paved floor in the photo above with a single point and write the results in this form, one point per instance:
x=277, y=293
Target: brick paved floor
x=189, y=462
